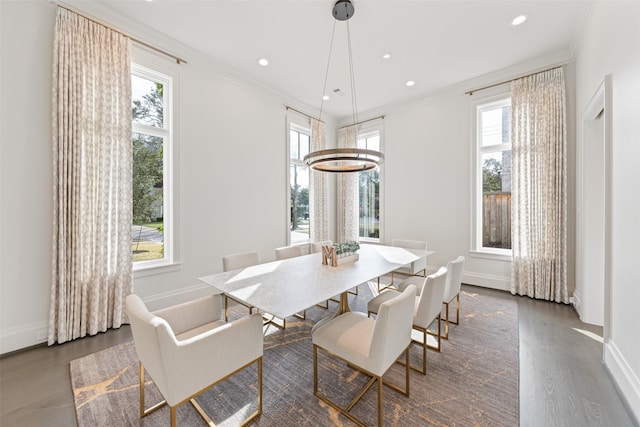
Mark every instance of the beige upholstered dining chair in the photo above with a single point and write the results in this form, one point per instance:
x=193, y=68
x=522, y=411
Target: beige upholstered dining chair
x=286, y=252
x=235, y=262
x=416, y=268
x=368, y=345
x=189, y=348
x=451, y=291
x=426, y=309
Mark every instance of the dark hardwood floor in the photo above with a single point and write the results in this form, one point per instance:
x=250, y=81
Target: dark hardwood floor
x=562, y=379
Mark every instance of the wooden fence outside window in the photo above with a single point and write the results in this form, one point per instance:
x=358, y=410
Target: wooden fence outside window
x=496, y=220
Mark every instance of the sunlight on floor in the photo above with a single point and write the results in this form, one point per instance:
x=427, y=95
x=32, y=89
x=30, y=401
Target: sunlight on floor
x=590, y=334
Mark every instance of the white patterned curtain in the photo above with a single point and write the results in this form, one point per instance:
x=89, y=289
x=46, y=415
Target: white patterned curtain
x=539, y=192
x=347, y=216
x=319, y=188
x=92, y=170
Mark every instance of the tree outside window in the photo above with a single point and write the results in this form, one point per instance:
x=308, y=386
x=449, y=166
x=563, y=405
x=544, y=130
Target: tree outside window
x=148, y=142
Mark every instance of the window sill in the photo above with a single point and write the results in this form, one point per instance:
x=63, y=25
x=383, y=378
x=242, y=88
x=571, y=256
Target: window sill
x=369, y=240
x=155, y=268
x=496, y=256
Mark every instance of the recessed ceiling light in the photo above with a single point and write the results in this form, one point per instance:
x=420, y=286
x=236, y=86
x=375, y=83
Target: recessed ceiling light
x=386, y=56
x=410, y=83
x=264, y=62
x=518, y=20
x=326, y=97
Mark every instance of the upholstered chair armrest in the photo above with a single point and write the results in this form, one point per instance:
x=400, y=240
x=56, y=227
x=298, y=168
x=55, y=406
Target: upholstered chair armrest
x=417, y=281
x=191, y=314
x=197, y=362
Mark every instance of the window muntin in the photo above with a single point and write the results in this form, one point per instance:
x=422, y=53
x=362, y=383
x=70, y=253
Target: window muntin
x=493, y=177
x=369, y=191
x=151, y=145
x=299, y=218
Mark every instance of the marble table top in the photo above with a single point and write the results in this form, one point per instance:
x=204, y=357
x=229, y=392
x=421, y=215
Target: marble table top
x=289, y=286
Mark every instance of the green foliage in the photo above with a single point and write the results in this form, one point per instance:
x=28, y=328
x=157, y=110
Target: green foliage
x=491, y=176
x=147, y=158
x=150, y=110
x=299, y=205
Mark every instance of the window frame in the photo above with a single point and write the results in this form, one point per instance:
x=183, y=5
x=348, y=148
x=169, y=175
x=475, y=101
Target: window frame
x=300, y=126
x=477, y=150
x=365, y=130
x=162, y=71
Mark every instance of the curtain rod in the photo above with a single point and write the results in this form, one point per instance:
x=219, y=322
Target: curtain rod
x=304, y=114
x=509, y=81
x=363, y=121
x=138, y=41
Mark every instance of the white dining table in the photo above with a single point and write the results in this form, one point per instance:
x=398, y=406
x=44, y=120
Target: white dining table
x=285, y=287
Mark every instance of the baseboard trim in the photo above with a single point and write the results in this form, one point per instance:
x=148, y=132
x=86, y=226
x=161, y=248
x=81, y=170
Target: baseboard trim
x=625, y=380
x=502, y=283
x=577, y=302
x=177, y=296
x=23, y=336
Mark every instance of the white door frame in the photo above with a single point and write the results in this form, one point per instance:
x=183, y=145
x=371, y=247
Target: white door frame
x=600, y=102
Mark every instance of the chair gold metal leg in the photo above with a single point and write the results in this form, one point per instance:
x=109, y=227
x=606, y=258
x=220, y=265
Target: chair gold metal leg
x=201, y=411
x=457, y=321
x=145, y=412
x=424, y=352
x=438, y=335
x=446, y=321
x=373, y=378
x=380, y=417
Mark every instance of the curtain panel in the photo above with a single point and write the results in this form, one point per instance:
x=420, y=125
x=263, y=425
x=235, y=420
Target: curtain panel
x=539, y=187
x=347, y=216
x=92, y=175
x=319, y=188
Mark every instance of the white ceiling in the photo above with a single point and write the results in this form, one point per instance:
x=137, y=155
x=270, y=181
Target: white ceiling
x=436, y=43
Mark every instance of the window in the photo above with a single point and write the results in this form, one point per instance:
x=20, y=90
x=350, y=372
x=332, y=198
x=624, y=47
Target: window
x=369, y=191
x=299, y=146
x=493, y=177
x=152, y=132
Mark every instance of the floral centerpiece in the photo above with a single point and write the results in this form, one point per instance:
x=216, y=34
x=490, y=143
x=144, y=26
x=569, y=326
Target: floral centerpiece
x=346, y=249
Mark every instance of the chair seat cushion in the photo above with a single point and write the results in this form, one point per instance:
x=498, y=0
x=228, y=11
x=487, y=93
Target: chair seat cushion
x=373, y=306
x=347, y=336
x=199, y=330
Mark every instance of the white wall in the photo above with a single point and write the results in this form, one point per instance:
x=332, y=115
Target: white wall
x=611, y=45
x=428, y=183
x=25, y=172
x=231, y=139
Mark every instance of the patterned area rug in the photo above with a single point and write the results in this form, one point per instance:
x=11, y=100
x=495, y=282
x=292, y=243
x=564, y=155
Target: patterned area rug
x=472, y=382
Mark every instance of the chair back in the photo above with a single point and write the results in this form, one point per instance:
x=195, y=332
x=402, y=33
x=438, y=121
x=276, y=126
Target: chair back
x=317, y=246
x=429, y=302
x=288, y=252
x=410, y=244
x=243, y=260
x=454, y=278
x=392, y=331
x=144, y=328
